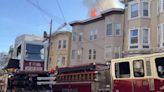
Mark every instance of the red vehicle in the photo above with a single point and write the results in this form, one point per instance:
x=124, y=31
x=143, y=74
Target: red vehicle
x=138, y=74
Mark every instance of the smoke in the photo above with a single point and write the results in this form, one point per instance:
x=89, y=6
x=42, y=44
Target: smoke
x=102, y=5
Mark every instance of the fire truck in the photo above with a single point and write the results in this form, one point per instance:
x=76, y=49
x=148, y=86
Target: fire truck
x=143, y=73
x=138, y=74
x=27, y=67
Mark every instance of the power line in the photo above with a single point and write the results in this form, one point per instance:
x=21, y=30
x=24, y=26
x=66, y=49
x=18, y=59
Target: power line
x=49, y=15
x=61, y=11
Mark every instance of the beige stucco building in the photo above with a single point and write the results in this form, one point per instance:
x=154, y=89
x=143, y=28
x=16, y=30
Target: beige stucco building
x=144, y=27
x=138, y=29
x=99, y=39
x=59, y=49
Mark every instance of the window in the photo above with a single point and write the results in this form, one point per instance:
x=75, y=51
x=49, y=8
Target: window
x=109, y=29
x=59, y=44
x=138, y=67
x=80, y=37
x=122, y=70
x=79, y=52
x=160, y=66
x=117, y=28
x=145, y=8
x=34, y=52
x=134, y=10
x=74, y=36
x=73, y=54
x=108, y=52
x=19, y=52
x=92, y=54
x=134, y=38
x=116, y=52
x=93, y=35
x=64, y=43
x=161, y=3
x=145, y=38
x=161, y=35
x=63, y=60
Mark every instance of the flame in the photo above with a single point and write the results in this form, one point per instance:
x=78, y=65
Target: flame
x=93, y=12
x=97, y=6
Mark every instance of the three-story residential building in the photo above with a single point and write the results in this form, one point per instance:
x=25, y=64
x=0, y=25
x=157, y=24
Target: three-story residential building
x=144, y=27
x=59, y=49
x=99, y=39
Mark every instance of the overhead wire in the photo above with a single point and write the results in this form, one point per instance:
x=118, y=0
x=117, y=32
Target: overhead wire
x=49, y=15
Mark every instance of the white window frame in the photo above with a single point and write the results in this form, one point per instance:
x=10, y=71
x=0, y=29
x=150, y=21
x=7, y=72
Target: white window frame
x=80, y=37
x=137, y=44
x=107, y=29
x=117, y=23
x=161, y=5
x=93, y=35
x=159, y=36
x=129, y=13
x=92, y=54
x=143, y=44
x=108, y=50
x=162, y=35
x=148, y=9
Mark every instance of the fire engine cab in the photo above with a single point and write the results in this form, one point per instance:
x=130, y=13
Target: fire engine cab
x=138, y=74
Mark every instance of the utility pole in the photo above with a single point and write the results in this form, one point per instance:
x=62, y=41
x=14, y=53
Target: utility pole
x=49, y=43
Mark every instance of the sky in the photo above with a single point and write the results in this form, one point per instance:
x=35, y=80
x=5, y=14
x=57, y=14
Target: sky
x=19, y=17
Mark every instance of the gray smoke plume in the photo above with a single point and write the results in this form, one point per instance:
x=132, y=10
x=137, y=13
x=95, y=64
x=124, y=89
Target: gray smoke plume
x=102, y=5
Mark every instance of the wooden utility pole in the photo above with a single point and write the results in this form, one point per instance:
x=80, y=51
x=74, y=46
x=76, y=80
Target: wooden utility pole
x=49, y=43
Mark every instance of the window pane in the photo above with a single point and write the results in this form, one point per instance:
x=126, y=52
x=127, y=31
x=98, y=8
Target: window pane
x=122, y=70
x=74, y=36
x=145, y=36
x=138, y=67
x=73, y=54
x=134, y=10
x=64, y=43
x=134, y=32
x=59, y=44
x=118, y=28
x=108, y=52
x=134, y=36
x=160, y=66
x=34, y=52
x=134, y=40
x=80, y=36
x=94, y=54
x=109, y=29
x=145, y=8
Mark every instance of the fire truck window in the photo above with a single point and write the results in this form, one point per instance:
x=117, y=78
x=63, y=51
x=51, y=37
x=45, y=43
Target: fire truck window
x=160, y=66
x=34, y=52
x=122, y=70
x=138, y=67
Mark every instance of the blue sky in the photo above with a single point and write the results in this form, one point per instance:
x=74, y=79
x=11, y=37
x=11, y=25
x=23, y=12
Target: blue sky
x=19, y=17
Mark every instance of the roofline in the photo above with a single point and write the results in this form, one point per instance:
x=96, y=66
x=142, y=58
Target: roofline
x=100, y=17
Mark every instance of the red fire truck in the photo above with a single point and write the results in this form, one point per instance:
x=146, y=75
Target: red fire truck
x=138, y=74
x=133, y=74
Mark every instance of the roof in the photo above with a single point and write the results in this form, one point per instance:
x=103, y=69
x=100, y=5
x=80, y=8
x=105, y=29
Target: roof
x=139, y=56
x=100, y=17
